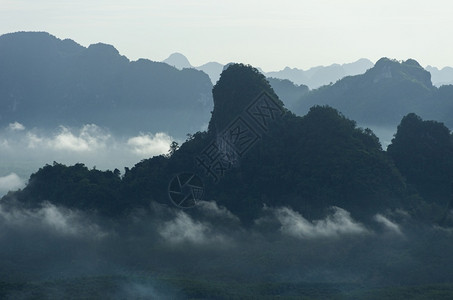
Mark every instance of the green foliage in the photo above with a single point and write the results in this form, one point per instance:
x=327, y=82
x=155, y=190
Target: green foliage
x=308, y=163
x=423, y=152
x=312, y=163
x=174, y=146
x=238, y=86
x=147, y=181
x=75, y=187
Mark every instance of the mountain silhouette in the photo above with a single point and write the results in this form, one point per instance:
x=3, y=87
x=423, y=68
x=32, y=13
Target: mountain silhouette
x=266, y=155
x=319, y=76
x=384, y=95
x=307, y=163
x=47, y=82
x=313, y=77
x=423, y=152
x=178, y=60
x=213, y=69
x=441, y=77
x=289, y=92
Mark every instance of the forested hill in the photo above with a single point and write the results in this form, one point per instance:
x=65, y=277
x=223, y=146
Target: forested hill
x=423, y=152
x=308, y=163
x=384, y=95
x=46, y=82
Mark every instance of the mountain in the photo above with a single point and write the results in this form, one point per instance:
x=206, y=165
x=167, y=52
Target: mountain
x=240, y=84
x=267, y=182
x=384, y=94
x=313, y=77
x=329, y=214
x=288, y=92
x=441, y=77
x=423, y=152
x=213, y=69
x=255, y=153
x=319, y=76
x=308, y=163
x=46, y=82
x=178, y=60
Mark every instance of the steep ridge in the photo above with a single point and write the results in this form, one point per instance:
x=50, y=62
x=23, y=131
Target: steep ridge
x=46, y=82
x=381, y=96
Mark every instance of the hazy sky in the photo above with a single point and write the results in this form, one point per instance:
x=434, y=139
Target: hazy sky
x=267, y=34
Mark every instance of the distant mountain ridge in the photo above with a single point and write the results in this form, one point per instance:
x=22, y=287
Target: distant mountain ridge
x=384, y=94
x=314, y=77
x=308, y=163
x=178, y=61
x=440, y=77
x=319, y=76
x=289, y=165
x=47, y=82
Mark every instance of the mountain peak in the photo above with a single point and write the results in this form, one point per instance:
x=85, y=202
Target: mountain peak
x=37, y=43
x=237, y=87
x=213, y=69
x=381, y=96
x=104, y=48
x=104, y=51
x=55, y=82
x=410, y=69
x=178, y=60
x=412, y=62
x=29, y=35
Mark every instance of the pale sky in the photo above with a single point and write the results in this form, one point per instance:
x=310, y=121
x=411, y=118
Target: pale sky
x=266, y=34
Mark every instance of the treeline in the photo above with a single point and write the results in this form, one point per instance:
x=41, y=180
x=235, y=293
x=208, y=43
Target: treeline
x=308, y=163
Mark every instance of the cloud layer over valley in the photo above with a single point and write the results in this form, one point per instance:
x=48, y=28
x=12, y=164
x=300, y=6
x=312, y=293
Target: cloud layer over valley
x=209, y=242
x=25, y=150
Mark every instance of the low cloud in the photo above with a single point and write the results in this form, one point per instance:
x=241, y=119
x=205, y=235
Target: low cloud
x=206, y=242
x=336, y=224
x=149, y=144
x=51, y=219
x=23, y=152
x=185, y=229
x=11, y=182
x=389, y=225
x=89, y=138
x=16, y=126
x=212, y=209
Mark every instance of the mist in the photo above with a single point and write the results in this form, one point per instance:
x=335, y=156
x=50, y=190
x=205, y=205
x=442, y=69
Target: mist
x=384, y=133
x=144, y=254
x=26, y=150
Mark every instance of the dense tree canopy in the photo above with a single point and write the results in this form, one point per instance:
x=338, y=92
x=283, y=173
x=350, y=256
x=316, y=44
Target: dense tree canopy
x=423, y=152
x=307, y=163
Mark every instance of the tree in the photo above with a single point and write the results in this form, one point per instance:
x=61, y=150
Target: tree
x=174, y=146
x=423, y=152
